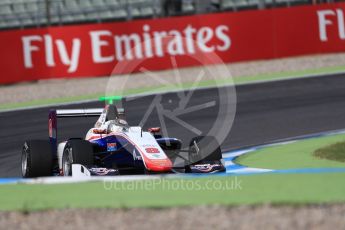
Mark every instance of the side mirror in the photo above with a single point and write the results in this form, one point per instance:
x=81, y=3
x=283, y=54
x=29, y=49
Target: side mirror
x=100, y=131
x=154, y=130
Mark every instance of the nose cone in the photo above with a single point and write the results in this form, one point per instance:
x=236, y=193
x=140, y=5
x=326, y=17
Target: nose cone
x=161, y=165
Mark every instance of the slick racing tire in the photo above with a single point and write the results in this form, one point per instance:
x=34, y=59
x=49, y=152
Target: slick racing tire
x=37, y=159
x=76, y=152
x=204, y=149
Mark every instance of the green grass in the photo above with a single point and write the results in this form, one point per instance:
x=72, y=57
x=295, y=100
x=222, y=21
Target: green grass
x=49, y=101
x=288, y=75
x=252, y=190
x=209, y=83
x=335, y=152
x=293, y=155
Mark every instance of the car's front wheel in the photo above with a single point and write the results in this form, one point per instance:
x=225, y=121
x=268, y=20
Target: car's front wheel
x=76, y=152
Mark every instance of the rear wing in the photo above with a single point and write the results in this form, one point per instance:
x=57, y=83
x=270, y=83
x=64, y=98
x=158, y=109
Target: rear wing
x=67, y=113
x=78, y=112
x=70, y=113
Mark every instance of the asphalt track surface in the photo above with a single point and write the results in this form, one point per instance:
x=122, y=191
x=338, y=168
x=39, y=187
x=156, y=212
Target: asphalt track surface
x=265, y=112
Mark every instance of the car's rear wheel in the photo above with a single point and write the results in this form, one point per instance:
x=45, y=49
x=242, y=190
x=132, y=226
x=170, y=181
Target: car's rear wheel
x=76, y=152
x=37, y=159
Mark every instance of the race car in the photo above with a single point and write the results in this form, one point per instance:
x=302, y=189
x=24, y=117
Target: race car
x=112, y=147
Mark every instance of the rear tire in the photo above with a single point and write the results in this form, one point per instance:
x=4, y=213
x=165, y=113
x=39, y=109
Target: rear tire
x=76, y=152
x=37, y=159
x=209, y=150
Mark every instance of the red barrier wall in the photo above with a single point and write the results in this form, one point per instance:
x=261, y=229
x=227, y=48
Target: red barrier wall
x=94, y=49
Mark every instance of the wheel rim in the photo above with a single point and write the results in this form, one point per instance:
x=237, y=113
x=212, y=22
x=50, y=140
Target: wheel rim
x=67, y=162
x=24, y=163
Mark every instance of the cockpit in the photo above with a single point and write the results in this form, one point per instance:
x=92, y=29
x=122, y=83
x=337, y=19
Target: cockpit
x=116, y=119
x=118, y=125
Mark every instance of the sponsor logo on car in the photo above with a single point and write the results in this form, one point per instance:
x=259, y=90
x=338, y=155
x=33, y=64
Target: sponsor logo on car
x=152, y=150
x=204, y=168
x=111, y=147
x=50, y=128
x=148, y=146
x=103, y=172
x=156, y=155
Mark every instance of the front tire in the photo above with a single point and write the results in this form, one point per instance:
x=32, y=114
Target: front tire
x=76, y=152
x=37, y=159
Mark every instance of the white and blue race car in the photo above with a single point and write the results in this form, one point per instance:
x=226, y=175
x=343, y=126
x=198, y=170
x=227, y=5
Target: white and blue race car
x=112, y=147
